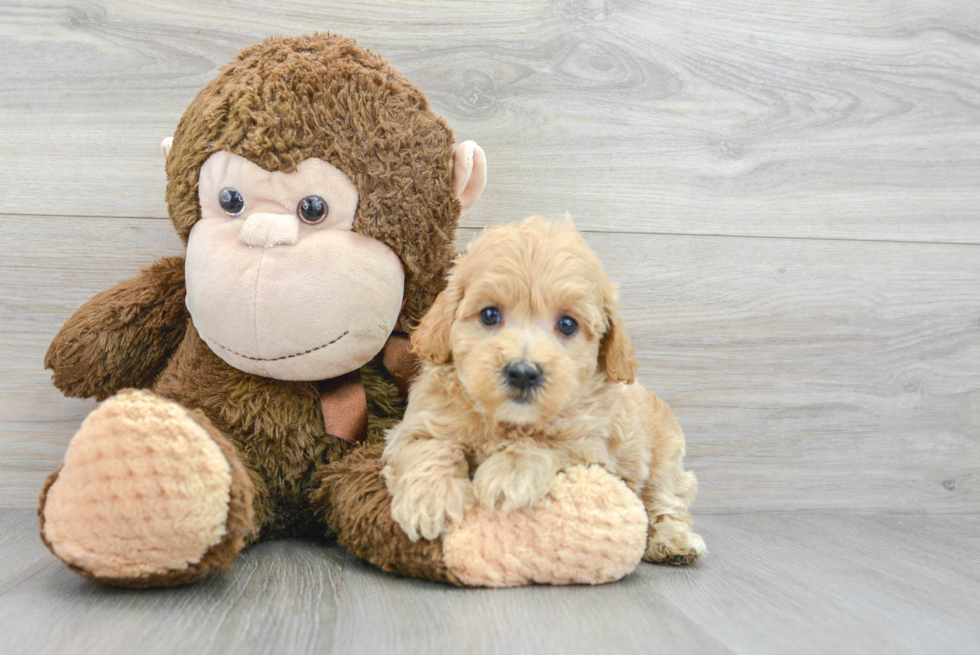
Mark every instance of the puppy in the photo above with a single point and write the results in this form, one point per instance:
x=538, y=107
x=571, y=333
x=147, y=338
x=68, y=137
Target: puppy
x=527, y=370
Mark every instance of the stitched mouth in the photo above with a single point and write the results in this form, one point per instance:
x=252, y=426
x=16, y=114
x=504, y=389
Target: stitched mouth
x=276, y=359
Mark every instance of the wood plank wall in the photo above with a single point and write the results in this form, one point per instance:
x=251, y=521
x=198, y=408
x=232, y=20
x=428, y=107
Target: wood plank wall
x=788, y=193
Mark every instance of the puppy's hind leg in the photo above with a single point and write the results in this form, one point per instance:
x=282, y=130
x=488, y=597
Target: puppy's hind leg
x=670, y=539
x=667, y=495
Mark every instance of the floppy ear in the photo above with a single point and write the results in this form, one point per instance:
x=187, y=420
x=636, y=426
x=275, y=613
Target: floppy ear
x=616, y=354
x=431, y=338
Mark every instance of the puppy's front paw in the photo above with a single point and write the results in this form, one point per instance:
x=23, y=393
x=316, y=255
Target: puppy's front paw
x=672, y=542
x=423, y=506
x=511, y=481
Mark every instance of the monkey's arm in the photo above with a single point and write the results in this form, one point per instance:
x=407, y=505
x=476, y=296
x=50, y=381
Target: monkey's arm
x=123, y=336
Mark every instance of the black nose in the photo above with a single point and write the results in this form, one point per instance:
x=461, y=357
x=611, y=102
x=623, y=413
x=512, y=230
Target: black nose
x=523, y=375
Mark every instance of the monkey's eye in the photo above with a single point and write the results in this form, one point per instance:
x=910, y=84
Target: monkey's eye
x=312, y=209
x=567, y=325
x=490, y=316
x=231, y=201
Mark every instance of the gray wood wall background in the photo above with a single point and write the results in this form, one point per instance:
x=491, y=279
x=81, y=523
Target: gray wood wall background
x=788, y=193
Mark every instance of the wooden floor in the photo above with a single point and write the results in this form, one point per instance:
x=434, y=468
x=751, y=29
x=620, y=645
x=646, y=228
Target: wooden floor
x=773, y=584
x=788, y=194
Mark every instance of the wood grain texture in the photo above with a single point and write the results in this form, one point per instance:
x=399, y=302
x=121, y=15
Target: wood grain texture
x=838, y=119
x=788, y=194
x=771, y=584
x=808, y=375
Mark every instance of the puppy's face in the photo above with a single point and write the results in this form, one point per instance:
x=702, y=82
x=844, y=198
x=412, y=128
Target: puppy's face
x=528, y=318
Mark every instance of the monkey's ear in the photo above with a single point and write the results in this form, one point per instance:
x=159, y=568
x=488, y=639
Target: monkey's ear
x=616, y=354
x=431, y=338
x=166, y=145
x=469, y=173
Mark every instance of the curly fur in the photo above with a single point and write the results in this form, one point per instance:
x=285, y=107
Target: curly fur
x=464, y=419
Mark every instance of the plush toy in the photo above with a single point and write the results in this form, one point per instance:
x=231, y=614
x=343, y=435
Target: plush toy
x=247, y=386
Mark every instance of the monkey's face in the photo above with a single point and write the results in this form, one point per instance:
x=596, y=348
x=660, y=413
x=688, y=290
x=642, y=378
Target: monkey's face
x=278, y=284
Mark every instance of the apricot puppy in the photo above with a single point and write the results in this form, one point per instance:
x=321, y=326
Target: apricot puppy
x=527, y=370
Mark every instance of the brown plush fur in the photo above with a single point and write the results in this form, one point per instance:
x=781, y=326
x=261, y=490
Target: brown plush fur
x=353, y=498
x=278, y=103
x=123, y=336
x=289, y=99
x=278, y=427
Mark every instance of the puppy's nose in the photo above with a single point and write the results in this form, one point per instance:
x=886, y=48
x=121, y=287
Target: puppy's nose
x=523, y=375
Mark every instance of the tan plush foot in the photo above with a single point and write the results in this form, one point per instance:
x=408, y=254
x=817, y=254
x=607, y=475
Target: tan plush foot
x=672, y=542
x=590, y=529
x=143, y=495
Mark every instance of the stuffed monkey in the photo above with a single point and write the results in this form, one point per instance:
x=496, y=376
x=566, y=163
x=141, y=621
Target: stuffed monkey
x=247, y=386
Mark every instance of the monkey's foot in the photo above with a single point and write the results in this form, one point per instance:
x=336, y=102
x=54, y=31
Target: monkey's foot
x=149, y=494
x=589, y=530
x=670, y=541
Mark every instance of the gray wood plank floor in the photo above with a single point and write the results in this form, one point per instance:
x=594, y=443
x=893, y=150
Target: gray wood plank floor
x=807, y=583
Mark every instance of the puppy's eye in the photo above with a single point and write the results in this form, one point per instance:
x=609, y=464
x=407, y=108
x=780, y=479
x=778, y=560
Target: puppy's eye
x=490, y=316
x=567, y=326
x=231, y=201
x=312, y=209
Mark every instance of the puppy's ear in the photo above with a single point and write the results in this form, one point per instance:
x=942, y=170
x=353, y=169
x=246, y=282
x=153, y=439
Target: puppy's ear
x=616, y=354
x=431, y=339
